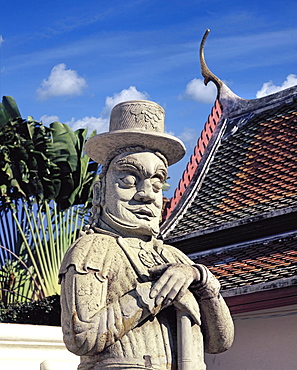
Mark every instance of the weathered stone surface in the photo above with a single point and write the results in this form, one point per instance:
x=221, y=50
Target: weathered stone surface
x=128, y=300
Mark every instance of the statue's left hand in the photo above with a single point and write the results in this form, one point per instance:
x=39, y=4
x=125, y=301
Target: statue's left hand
x=173, y=283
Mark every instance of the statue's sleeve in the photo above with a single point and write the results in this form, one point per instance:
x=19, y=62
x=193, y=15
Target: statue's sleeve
x=217, y=324
x=90, y=322
x=216, y=321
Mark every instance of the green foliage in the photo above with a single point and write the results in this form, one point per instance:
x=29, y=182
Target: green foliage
x=48, y=235
x=17, y=282
x=45, y=235
x=77, y=174
x=46, y=163
x=8, y=110
x=46, y=311
x=45, y=191
x=26, y=168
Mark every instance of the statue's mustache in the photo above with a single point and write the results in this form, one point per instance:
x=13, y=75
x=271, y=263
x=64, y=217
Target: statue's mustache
x=126, y=223
x=143, y=209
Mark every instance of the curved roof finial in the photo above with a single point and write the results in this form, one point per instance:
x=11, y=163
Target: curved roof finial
x=206, y=73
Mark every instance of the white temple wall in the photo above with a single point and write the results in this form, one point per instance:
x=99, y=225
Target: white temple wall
x=25, y=347
x=264, y=340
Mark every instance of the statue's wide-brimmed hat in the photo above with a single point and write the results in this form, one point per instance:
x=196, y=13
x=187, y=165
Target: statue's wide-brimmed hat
x=135, y=123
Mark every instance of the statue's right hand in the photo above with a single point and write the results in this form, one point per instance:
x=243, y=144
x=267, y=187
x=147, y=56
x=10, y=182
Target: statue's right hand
x=156, y=271
x=173, y=283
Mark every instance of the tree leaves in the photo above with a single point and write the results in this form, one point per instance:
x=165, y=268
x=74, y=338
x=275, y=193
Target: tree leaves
x=43, y=162
x=25, y=169
x=8, y=110
x=45, y=188
x=11, y=107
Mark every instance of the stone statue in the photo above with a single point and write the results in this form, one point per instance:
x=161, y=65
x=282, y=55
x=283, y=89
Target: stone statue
x=128, y=300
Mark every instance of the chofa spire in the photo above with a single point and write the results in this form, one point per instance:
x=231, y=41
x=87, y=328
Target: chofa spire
x=225, y=95
x=205, y=71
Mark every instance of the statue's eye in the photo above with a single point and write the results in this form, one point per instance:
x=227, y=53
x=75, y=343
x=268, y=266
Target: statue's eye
x=128, y=181
x=157, y=183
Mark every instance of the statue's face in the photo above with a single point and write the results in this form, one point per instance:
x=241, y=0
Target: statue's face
x=132, y=203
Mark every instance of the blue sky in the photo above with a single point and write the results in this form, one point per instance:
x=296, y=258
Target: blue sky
x=72, y=60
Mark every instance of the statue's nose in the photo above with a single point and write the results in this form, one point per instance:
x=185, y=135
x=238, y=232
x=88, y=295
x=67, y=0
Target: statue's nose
x=145, y=192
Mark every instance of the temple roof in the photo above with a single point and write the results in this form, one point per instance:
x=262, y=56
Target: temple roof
x=248, y=264
x=235, y=208
x=252, y=172
x=244, y=164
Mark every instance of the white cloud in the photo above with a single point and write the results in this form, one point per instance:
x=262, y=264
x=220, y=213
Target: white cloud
x=169, y=132
x=127, y=94
x=196, y=90
x=269, y=88
x=189, y=137
x=61, y=82
x=1, y=40
x=92, y=123
x=100, y=124
x=46, y=120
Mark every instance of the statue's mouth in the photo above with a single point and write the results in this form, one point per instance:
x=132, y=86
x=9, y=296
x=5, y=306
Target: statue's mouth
x=142, y=212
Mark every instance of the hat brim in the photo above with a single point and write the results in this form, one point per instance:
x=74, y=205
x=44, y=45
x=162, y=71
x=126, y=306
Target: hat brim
x=100, y=146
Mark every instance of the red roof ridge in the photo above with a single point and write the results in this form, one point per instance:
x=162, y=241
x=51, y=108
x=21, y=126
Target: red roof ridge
x=195, y=158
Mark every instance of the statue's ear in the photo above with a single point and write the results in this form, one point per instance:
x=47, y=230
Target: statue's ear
x=97, y=193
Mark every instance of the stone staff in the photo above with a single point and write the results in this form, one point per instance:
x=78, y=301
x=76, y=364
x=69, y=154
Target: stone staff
x=184, y=341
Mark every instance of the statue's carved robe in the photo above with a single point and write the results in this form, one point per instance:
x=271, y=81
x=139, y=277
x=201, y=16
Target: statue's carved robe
x=103, y=319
